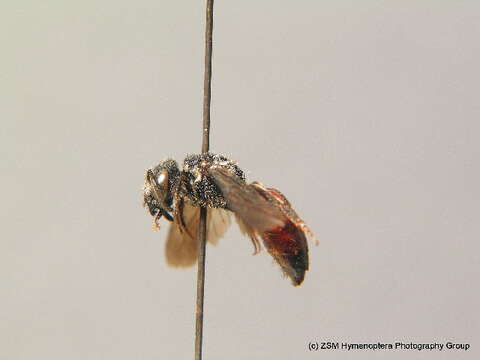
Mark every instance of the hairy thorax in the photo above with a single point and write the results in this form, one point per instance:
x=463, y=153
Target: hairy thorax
x=198, y=187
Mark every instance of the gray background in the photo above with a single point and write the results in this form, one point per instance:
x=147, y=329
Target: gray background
x=365, y=114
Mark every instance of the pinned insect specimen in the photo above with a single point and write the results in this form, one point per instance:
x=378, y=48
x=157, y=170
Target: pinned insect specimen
x=217, y=183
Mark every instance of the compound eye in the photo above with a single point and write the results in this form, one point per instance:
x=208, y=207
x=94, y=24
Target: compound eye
x=162, y=179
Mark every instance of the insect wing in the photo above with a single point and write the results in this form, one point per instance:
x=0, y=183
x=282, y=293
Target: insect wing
x=218, y=222
x=246, y=202
x=266, y=213
x=181, y=249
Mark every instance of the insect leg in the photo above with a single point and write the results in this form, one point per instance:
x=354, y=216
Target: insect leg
x=179, y=219
x=256, y=245
x=156, y=218
x=178, y=216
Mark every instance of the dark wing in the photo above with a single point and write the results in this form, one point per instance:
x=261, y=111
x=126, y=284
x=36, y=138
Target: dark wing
x=181, y=248
x=265, y=213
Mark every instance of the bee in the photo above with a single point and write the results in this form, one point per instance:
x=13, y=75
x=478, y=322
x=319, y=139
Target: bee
x=217, y=183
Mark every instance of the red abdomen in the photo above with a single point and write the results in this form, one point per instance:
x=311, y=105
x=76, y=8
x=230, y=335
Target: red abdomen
x=288, y=246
